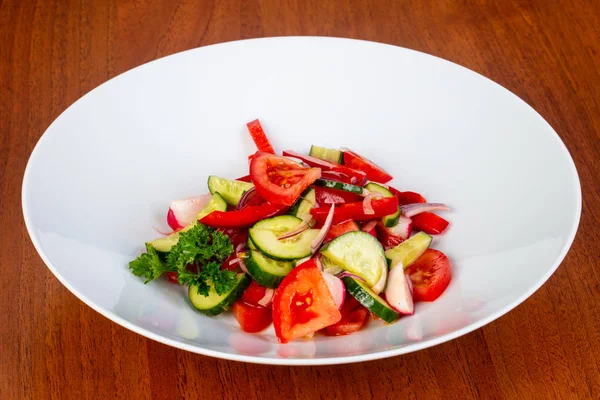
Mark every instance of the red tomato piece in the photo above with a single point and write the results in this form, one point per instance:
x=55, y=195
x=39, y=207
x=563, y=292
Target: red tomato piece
x=253, y=294
x=430, y=275
x=243, y=218
x=373, y=171
x=236, y=236
x=303, y=303
x=355, y=211
x=325, y=195
x=251, y=319
x=356, y=177
x=226, y=264
x=430, y=223
x=172, y=276
x=340, y=229
x=280, y=180
x=407, y=197
x=260, y=138
x=387, y=241
x=354, y=318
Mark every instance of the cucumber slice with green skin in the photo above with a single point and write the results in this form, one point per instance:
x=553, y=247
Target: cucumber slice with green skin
x=231, y=191
x=388, y=220
x=370, y=300
x=339, y=185
x=216, y=203
x=327, y=154
x=265, y=236
x=409, y=250
x=215, y=304
x=330, y=267
x=266, y=271
x=359, y=253
x=304, y=204
x=164, y=244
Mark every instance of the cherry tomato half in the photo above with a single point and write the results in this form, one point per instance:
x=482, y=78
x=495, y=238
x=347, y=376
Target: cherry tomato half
x=430, y=275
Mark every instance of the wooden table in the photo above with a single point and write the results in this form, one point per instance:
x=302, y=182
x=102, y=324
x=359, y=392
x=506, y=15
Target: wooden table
x=54, y=51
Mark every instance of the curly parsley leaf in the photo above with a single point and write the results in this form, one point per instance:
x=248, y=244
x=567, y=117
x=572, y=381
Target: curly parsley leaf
x=149, y=265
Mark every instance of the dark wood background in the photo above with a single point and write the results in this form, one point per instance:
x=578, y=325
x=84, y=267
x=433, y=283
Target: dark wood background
x=52, y=52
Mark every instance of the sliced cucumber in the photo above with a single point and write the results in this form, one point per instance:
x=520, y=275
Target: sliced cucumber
x=265, y=235
x=214, y=303
x=304, y=204
x=339, y=185
x=266, y=271
x=409, y=250
x=165, y=244
x=324, y=153
x=216, y=203
x=330, y=267
x=388, y=220
x=359, y=253
x=369, y=299
x=231, y=191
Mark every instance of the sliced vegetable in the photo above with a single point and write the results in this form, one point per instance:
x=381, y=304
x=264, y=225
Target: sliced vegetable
x=337, y=289
x=253, y=294
x=326, y=154
x=387, y=240
x=242, y=218
x=266, y=233
x=324, y=195
x=430, y=275
x=172, y=221
x=357, y=177
x=279, y=180
x=369, y=227
x=231, y=191
x=382, y=282
x=372, y=170
x=354, y=318
x=369, y=299
x=341, y=177
x=354, y=211
x=304, y=204
x=318, y=240
x=340, y=229
x=430, y=223
x=260, y=138
x=408, y=251
x=388, y=220
x=252, y=319
x=267, y=298
x=411, y=210
x=330, y=267
x=303, y=304
x=266, y=271
x=184, y=211
x=215, y=304
x=164, y=244
x=359, y=253
x=407, y=197
x=398, y=292
x=216, y=203
x=340, y=186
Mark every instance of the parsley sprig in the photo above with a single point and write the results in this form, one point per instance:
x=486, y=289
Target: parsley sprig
x=201, y=247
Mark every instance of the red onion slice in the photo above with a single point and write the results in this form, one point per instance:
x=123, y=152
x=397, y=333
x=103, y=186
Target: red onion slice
x=296, y=231
x=318, y=262
x=318, y=240
x=267, y=298
x=410, y=210
x=380, y=285
x=367, y=206
x=351, y=275
x=246, y=197
x=243, y=266
x=235, y=260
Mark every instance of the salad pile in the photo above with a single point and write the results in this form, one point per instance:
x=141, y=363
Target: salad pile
x=315, y=243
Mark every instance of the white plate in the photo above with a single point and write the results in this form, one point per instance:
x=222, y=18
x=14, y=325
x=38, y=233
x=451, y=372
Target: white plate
x=104, y=172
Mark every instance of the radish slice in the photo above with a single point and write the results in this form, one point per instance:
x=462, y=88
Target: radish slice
x=380, y=285
x=267, y=298
x=246, y=197
x=398, y=293
x=185, y=211
x=171, y=221
x=298, y=230
x=318, y=240
x=410, y=210
x=337, y=289
x=402, y=229
x=165, y=233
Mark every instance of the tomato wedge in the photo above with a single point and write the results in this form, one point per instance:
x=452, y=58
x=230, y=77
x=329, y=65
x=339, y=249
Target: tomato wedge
x=407, y=197
x=430, y=275
x=340, y=229
x=251, y=318
x=355, y=211
x=325, y=195
x=280, y=180
x=356, y=177
x=253, y=294
x=373, y=171
x=354, y=318
x=303, y=303
x=429, y=222
x=243, y=218
x=260, y=138
x=387, y=241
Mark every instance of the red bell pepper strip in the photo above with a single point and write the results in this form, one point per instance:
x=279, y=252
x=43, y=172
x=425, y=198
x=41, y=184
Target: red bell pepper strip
x=356, y=177
x=407, y=197
x=340, y=229
x=260, y=138
x=355, y=211
x=374, y=172
x=244, y=179
x=325, y=195
x=243, y=218
x=430, y=223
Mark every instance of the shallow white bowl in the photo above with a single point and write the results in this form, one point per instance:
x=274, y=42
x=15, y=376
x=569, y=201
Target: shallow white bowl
x=104, y=172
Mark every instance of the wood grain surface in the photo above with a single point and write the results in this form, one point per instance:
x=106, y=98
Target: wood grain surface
x=54, y=51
